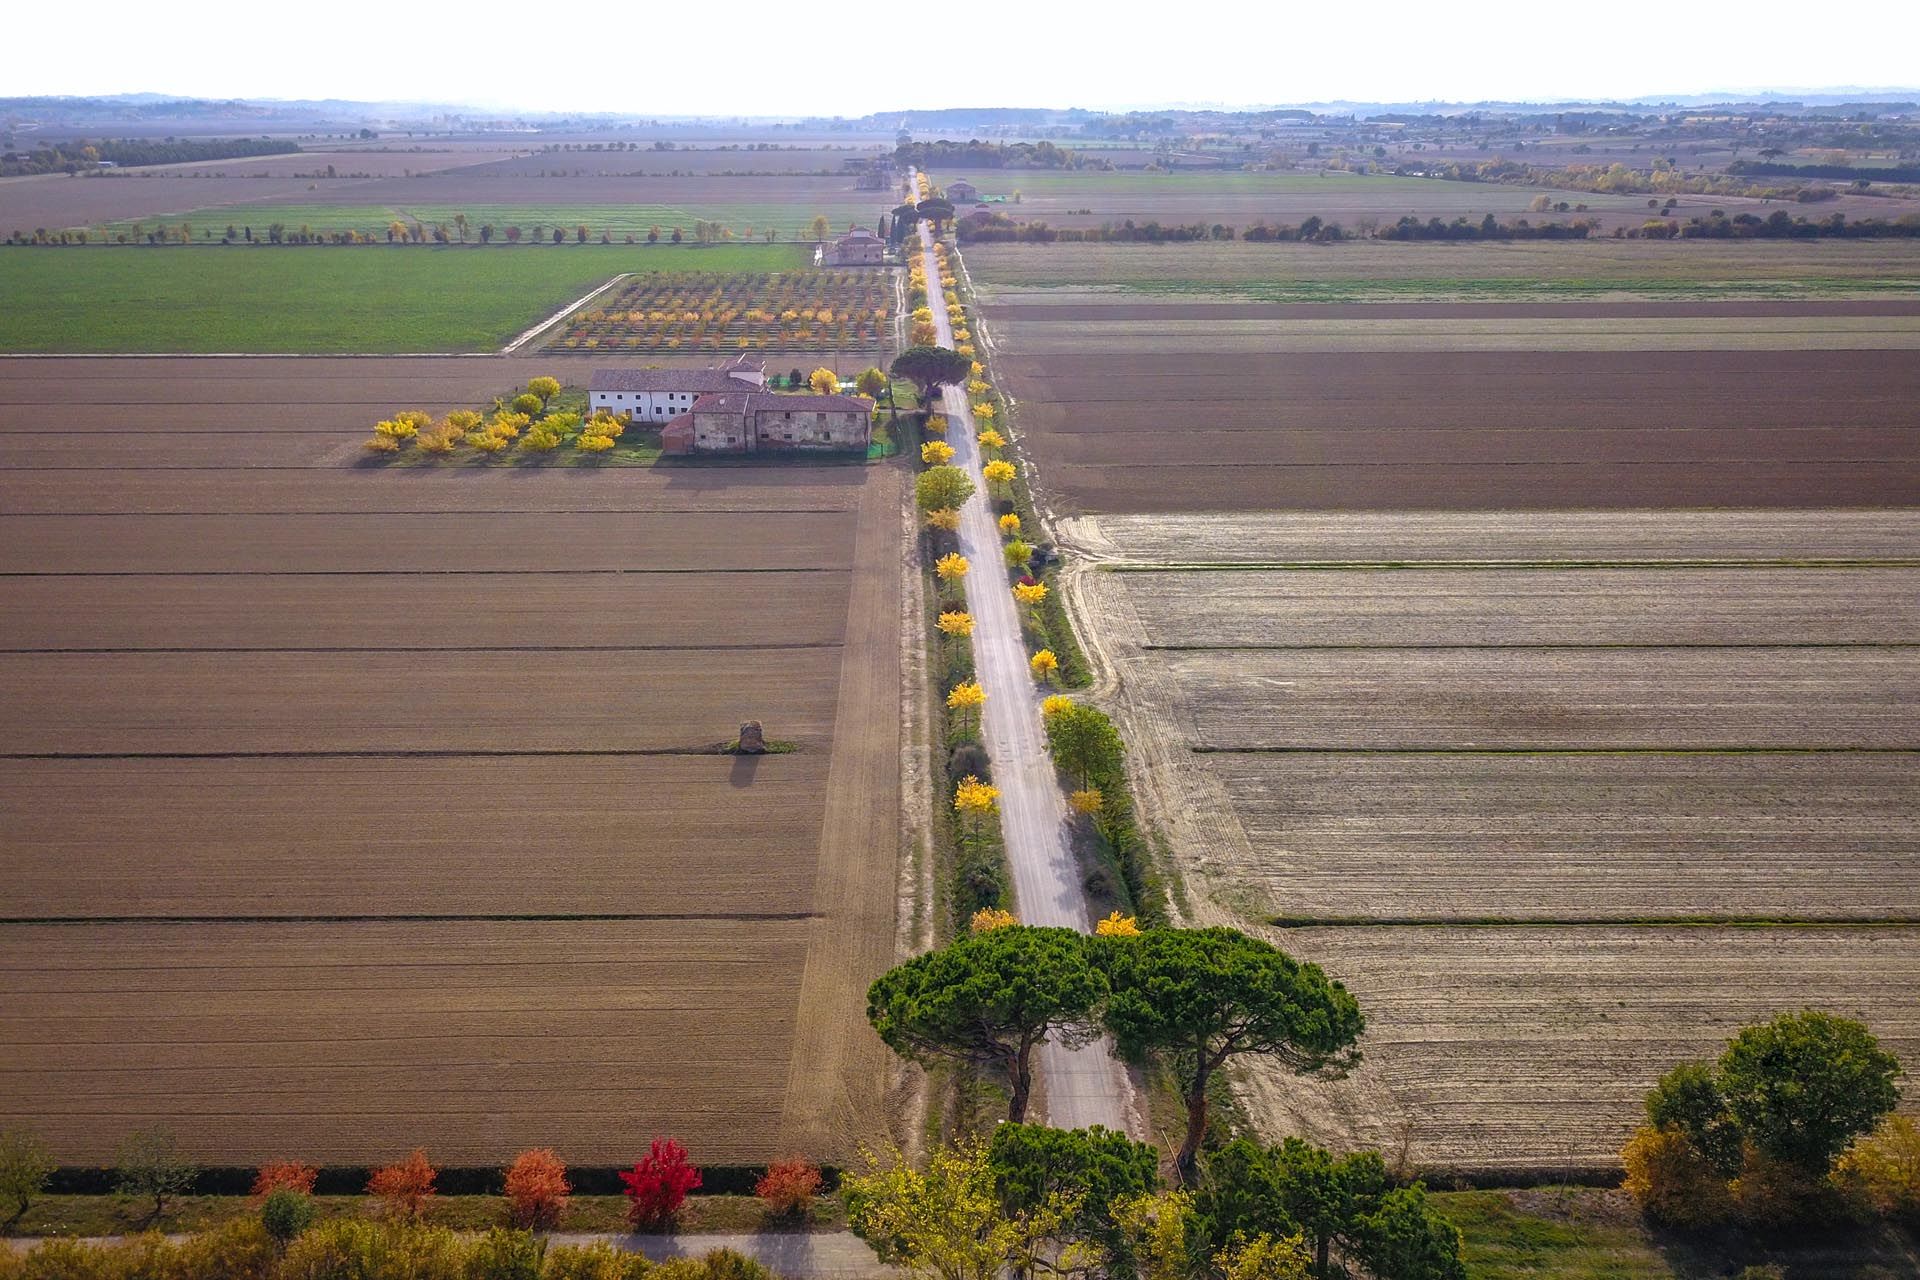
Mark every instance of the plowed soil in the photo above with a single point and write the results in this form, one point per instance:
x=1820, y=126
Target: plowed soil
x=349, y=809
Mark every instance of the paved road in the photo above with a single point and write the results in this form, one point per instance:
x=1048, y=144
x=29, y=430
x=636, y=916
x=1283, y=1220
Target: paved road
x=1086, y=1086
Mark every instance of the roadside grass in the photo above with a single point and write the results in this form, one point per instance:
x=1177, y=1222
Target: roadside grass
x=318, y=300
x=110, y=1215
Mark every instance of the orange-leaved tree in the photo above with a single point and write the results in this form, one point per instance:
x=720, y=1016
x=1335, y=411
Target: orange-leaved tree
x=403, y=1189
x=290, y=1175
x=789, y=1186
x=537, y=1190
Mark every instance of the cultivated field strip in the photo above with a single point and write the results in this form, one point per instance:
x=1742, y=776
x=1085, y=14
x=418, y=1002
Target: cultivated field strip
x=1598, y=333
x=1575, y=537
x=453, y=542
x=1534, y=1047
x=427, y=611
x=507, y=836
x=1564, y=699
x=405, y=703
x=1505, y=608
x=349, y=1042
x=180, y=450
x=1402, y=448
x=1630, y=836
x=1100, y=309
x=137, y=492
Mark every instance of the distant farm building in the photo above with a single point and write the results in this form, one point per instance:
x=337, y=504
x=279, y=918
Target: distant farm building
x=858, y=248
x=962, y=192
x=764, y=422
x=657, y=395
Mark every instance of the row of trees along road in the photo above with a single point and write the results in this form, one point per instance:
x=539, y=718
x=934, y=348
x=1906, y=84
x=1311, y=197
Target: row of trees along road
x=1194, y=997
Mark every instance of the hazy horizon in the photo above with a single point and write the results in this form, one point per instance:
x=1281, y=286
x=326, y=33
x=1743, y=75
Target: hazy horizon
x=761, y=62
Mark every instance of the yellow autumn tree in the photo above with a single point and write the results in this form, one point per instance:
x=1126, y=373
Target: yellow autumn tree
x=545, y=388
x=1117, y=926
x=463, y=420
x=973, y=800
x=944, y=518
x=984, y=412
x=965, y=700
x=999, y=471
x=586, y=442
x=1053, y=704
x=937, y=424
x=824, y=381
x=382, y=444
x=1010, y=525
x=936, y=453
x=991, y=439
x=956, y=624
x=1044, y=665
x=978, y=369
x=976, y=387
x=987, y=919
x=952, y=568
x=1029, y=593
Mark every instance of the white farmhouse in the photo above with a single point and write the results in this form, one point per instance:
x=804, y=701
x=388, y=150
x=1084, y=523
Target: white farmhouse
x=660, y=395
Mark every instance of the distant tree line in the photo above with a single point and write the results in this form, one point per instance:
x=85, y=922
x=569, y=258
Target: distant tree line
x=976, y=154
x=1779, y=225
x=78, y=154
x=1842, y=172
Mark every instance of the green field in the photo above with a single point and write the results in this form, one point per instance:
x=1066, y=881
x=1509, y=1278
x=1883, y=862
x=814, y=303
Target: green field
x=618, y=220
x=312, y=299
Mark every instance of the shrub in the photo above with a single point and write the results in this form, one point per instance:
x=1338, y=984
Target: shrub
x=969, y=759
x=404, y=1188
x=150, y=1166
x=537, y=1190
x=597, y=1261
x=1671, y=1182
x=290, y=1174
x=1882, y=1170
x=502, y=1254
x=789, y=1186
x=658, y=1184
x=25, y=1165
x=240, y=1250
x=286, y=1212
x=721, y=1264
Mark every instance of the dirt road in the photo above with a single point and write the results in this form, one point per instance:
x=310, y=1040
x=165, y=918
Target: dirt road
x=1086, y=1086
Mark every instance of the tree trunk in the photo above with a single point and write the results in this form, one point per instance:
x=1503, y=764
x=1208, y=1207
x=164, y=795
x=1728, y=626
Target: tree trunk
x=1196, y=1123
x=1020, y=1070
x=1320, y=1256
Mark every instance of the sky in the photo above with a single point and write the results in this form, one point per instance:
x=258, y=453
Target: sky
x=756, y=58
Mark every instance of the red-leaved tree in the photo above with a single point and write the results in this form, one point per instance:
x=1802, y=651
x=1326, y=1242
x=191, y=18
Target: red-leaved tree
x=789, y=1186
x=537, y=1190
x=290, y=1175
x=403, y=1189
x=657, y=1186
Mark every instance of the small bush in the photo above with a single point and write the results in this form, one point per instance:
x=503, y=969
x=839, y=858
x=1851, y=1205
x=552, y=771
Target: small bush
x=721, y=1264
x=240, y=1250
x=286, y=1212
x=789, y=1186
x=658, y=1184
x=597, y=1261
x=1882, y=1170
x=970, y=759
x=403, y=1189
x=502, y=1254
x=1671, y=1182
x=537, y=1190
x=289, y=1174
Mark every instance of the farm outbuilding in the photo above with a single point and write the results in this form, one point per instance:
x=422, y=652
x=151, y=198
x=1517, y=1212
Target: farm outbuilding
x=857, y=248
x=962, y=191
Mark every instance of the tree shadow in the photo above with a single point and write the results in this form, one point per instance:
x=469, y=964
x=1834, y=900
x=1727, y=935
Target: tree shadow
x=744, y=769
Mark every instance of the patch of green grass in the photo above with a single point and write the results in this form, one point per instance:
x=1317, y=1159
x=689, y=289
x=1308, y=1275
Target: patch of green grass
x=1503, y=1243
x=323, y=300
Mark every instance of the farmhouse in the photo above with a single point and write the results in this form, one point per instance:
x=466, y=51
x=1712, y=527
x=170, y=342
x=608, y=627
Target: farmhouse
x=744, y=421
x=858, y=248
x=961, y=191
x=657, y=395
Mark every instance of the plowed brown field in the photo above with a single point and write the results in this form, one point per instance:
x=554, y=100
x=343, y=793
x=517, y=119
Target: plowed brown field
x=351, y=809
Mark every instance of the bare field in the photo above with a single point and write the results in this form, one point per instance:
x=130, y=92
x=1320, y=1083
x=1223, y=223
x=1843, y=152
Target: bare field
x=428, y=612
x=1577, y=537
x=431, y=839
x=403, y=703
x=1481, y=271
x=1468, y=430
x=1517, y=608
x=439, y=542
x=1533, y=1048
x=499, y=836
x=1490, y=727
x=351, y=1042
x=1558, y=699
x=1630, y=836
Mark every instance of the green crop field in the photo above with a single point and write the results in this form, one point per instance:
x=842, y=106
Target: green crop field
x=319, y=299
